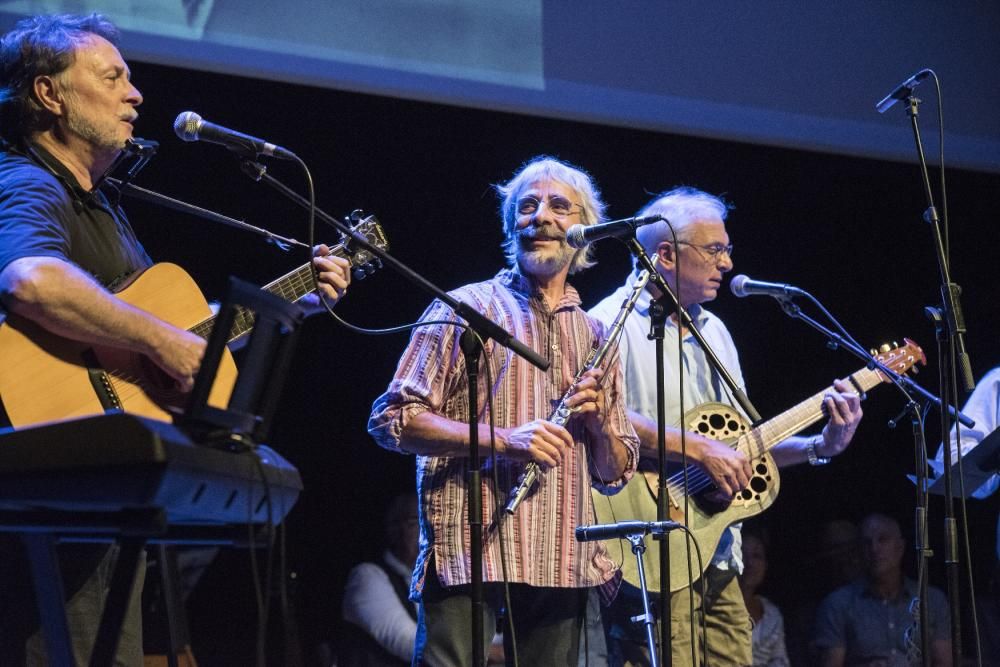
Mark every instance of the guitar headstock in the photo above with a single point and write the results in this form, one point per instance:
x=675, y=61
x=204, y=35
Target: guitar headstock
x=901, y=358
x=370, y=229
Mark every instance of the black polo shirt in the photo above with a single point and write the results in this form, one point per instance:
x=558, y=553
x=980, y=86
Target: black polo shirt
x=45, y=213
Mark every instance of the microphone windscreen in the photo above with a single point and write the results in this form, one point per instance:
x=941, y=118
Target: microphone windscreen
x=186, y=125
x=575, y=237
x=736, y=286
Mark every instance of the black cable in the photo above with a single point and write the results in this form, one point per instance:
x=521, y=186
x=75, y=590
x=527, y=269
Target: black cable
x=263, y=600
x=946, y=234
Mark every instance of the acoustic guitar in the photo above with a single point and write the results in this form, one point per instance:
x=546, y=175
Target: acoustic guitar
x=45, y=377
x=709, y=518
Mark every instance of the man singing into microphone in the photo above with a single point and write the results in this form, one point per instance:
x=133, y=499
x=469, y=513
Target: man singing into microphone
x=425, y=412
x=67, y=107
x=699, y=258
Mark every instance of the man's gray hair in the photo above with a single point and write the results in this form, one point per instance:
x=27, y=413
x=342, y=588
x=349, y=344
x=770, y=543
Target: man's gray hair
x=542, y=168
x=40, y=46
x=681, y=206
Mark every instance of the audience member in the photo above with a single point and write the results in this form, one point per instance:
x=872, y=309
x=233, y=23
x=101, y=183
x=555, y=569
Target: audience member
x=869, y=622
x=835, y=563
x=768, y=636
x=380, y=620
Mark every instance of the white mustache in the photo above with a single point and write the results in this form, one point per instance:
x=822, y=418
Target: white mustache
x=534, y=235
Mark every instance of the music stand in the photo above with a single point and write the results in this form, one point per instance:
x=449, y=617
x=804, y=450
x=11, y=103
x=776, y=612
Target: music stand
x=247, y=418
x=977, y=466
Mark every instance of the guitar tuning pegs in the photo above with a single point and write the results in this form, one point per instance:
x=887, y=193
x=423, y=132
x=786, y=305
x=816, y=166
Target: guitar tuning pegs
x=872, y=351
x=884, y=347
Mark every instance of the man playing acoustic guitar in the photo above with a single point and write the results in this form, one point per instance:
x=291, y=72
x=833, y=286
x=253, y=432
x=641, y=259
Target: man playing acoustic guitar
x=699, y=258
x=67, y=108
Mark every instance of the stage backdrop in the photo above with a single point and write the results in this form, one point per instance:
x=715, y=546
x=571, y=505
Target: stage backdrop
x=804, y=74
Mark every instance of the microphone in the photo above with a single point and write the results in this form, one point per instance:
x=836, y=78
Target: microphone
x=579, y=236
x=189, y=126
x=607, y=531
x=902, y=91
x=742, y=286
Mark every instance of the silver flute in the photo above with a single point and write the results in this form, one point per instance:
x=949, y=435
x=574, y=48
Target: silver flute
x=563, y=412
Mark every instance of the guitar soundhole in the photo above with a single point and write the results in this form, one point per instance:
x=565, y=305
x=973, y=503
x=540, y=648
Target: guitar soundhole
x=761, y=469
x=758, y=484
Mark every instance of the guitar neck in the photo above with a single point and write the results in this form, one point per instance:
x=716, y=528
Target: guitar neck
x=292, y=286
x=765, y=436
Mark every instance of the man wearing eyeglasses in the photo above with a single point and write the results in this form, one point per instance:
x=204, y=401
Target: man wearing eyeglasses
x=424, y=412
x=695, y=261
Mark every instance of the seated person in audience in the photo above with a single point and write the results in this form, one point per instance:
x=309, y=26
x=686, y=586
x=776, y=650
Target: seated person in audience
x=835, y=563
x=869, y=622
x=839, y=558
x=381, y=622
x=768, y=637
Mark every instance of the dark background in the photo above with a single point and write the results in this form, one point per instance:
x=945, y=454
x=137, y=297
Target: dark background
x=849, y=230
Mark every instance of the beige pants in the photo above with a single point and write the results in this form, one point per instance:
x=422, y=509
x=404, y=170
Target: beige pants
x=727, y=623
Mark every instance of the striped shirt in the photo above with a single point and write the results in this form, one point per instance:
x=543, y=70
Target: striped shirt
x=541, y=549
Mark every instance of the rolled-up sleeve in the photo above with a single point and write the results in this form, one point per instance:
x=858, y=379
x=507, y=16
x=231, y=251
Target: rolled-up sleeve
x=423, y=378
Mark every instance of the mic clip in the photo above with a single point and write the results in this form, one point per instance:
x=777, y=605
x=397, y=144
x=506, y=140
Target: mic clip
x=134, y=156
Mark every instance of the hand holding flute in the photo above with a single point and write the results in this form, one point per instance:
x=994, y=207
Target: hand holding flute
x=546, y=442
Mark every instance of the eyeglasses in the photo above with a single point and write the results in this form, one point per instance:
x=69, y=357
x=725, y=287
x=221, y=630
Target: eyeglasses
x=715, y=251
x=559, y=207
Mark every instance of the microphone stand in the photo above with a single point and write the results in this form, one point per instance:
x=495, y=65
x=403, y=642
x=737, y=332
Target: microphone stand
x=954, y=345
x=907, y=386
x=469, y=343
x=477, y=322
x=150, y=196
x=639, y=550
x=904, y=382
x=657, y=334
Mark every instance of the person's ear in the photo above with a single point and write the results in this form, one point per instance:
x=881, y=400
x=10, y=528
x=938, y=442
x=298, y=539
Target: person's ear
x=49, y=94
x=665, y=253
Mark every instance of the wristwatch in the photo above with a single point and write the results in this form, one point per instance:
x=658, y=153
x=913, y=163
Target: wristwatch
x=814, y=458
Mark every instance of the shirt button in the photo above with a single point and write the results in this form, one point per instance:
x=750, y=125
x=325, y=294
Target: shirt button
x=555, y=346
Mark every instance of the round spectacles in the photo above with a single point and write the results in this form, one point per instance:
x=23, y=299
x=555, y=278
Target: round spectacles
x=715, y=251
x=560, y=207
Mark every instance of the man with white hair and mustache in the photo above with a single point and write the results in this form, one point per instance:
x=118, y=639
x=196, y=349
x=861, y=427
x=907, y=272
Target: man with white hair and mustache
x=424, y=412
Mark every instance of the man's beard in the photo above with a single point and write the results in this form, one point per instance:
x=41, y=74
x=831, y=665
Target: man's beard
x=543, y=261
x=101, y=138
